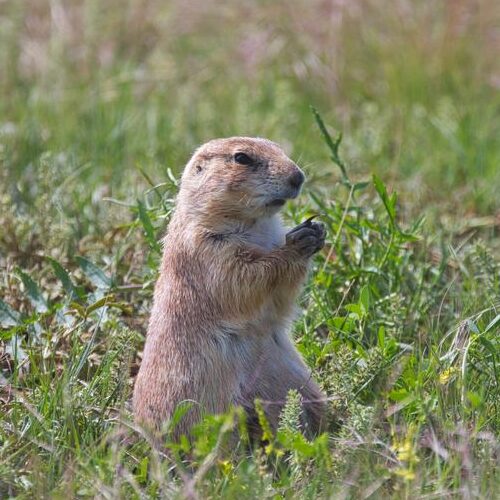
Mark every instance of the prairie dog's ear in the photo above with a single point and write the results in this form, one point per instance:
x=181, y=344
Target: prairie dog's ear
x=195, y=166
x=194, y=175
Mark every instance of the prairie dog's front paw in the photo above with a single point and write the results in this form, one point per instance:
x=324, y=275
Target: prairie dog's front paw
x=307, y=238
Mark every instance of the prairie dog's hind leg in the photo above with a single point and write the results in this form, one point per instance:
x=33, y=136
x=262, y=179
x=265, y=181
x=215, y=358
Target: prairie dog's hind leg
x=283, y=370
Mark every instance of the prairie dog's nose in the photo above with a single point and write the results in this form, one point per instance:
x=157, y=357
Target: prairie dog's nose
x=296, y=179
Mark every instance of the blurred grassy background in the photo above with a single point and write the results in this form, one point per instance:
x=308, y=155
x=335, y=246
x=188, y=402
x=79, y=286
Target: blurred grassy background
x=99, y=100
x=108, y=86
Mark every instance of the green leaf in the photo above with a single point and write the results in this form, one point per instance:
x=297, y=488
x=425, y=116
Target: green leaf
x=358, y=186
x=357, y=311
x=96, y=275
x=106, y=301
x=148, y=227
x=180, y=410
x=7, y=334
x=398, y=394
x=142, y=475
x=33, y=292
x=492, y=324
x=474, y=398
x=344, y=324
x=78, y=308
x=332, y=144
x=364, y=298
x=472, y=326
x=64, y=278
x=388, y=201
x=381, y=336
x=296, y=442
x=8, y=317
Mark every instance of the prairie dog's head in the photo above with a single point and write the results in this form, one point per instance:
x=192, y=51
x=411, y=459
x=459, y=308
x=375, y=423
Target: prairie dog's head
x=240, y=178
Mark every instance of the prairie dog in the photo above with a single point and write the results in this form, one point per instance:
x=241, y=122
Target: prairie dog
x=219, y=331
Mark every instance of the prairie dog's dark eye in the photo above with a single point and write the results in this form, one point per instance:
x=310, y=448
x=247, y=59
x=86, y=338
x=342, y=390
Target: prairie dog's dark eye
x=243, y=159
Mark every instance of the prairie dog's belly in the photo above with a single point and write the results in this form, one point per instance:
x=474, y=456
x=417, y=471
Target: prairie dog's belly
x=250, y=346
x=249, y=356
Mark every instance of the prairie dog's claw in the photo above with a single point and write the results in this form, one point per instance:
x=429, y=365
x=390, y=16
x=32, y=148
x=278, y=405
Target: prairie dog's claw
x=307, y=238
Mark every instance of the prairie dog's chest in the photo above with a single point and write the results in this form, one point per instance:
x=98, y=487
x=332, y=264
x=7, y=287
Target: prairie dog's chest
x=267, y=234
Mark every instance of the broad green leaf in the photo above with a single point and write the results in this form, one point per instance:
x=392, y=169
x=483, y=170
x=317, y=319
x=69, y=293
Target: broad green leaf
x=472, y=326
x=295, y=441
x=398, y=394
x=96, y=275
x=343, y=324
x=33, y=292
x=64, y=278
x=364, y=298
x=474, y=398
x=357, y=310
x=358, y=186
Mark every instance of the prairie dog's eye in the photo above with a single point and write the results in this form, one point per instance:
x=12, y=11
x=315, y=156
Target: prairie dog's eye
x=243, y=159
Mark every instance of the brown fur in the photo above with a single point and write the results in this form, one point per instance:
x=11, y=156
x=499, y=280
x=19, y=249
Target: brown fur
x=224, y=302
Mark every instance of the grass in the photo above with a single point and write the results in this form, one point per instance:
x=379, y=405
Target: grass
x=101, y=106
